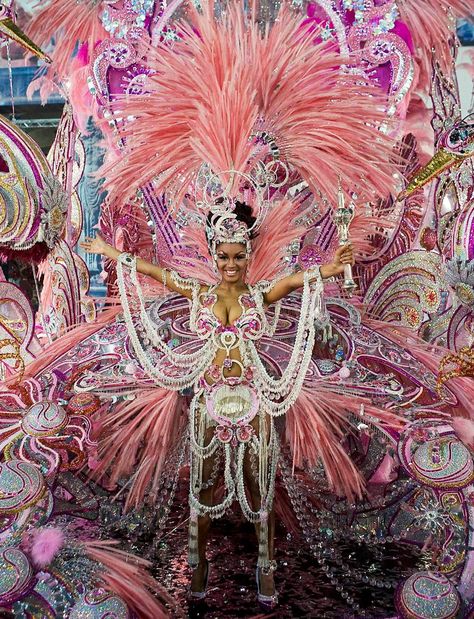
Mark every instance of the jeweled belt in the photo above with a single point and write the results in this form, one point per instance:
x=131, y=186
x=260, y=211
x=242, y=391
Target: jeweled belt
x=232, y=403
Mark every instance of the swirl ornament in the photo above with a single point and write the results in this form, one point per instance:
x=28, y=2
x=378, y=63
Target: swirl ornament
x=83, y=404
x=407, y=289
x=33, y=204
x=47, y=436
x=16, y=575
x=443, y=463
x=16, y=330
x=15, y=525
x=99, y=605
x=21, y=485
x=425, y=595
x=460, y=277
x=44, y=419
x=68, y=277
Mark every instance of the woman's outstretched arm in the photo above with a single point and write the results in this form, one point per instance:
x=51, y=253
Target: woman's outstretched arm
x=344, y=255
x=97, y=245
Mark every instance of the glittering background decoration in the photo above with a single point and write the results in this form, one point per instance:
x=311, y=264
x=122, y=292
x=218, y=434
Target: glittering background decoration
x=419, y=515
x=425, y=595
x=32, y=202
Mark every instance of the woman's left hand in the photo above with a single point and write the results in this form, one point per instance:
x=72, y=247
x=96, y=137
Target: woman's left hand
x=344, y=255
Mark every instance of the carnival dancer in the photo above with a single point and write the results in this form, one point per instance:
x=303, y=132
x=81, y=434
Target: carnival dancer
x=233, y=118
x=232, y=412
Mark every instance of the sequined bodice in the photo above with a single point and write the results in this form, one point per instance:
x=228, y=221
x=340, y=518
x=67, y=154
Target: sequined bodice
x=228, y=348
x=249, y=325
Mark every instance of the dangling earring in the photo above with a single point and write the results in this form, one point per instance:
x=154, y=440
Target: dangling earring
x=249, y=258
x=214, y=264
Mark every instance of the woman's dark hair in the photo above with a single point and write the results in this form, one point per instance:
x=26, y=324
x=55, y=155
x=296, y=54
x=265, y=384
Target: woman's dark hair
x=243, y=213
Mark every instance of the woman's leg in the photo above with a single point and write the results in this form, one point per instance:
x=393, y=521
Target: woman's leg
x=206, y=497
x=267, y=585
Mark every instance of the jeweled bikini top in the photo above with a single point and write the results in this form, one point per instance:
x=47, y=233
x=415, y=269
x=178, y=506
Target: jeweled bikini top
x=250, y=325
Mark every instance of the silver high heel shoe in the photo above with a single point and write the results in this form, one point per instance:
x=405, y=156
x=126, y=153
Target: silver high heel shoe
x=200, y=595
x=267, y=602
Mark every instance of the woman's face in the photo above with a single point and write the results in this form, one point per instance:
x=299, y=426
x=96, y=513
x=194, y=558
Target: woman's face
x=231, y=261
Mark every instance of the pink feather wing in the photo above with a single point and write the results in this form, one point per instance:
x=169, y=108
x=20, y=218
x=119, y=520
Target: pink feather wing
x=127, y=576
x=316, y=426
x=212, y=90
x=72, y=23
x=141, y=435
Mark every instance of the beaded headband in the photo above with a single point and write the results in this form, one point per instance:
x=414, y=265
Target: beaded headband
x=216, y=193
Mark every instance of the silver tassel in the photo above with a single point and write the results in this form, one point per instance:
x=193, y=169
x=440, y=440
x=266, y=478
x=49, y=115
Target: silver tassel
x=263, y=557
x=193, y=546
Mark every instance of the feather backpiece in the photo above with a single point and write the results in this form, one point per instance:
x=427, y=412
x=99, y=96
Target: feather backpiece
x=73, y=24
x=223, y=81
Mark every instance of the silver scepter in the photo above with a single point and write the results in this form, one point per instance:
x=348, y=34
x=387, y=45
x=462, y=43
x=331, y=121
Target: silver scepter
x=342, y=218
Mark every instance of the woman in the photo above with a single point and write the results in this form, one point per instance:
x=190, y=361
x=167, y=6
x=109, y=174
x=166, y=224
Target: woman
x=235, y=399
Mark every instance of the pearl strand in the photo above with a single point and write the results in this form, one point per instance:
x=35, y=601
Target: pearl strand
x=208, y=450
x=177, y=384
x=195, y=287
x=280, y=387
x=183, y=360
x=161, y=379
x=217, y=511
x=296, y=371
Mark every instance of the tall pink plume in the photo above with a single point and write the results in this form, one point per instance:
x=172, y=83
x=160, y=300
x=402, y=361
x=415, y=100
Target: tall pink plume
x=47, y=542
x=71, y=23
x=126, y=575
x=274, y=237
x=225, y=79
x=139, y=437
x=325, y=121
x=201, y=108
x=430, y=356
x=431, y=23
x=315, y=427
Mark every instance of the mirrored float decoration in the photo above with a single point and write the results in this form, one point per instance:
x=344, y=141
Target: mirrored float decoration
x=415, y=275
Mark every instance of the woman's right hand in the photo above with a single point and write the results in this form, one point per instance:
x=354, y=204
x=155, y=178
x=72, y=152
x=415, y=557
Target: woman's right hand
x=95, y=245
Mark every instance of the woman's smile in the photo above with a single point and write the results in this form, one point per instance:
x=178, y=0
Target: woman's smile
x=231, y=260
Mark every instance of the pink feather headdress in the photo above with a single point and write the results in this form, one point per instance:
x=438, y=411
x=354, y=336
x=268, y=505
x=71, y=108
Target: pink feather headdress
x=430, y=22
x=224, y=83
x=73, y=23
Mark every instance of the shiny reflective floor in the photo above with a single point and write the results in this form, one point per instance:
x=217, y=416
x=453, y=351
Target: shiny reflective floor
x=304, y=591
